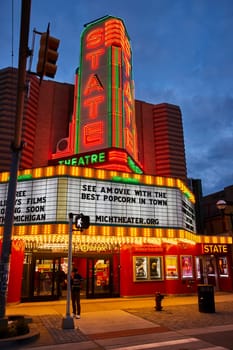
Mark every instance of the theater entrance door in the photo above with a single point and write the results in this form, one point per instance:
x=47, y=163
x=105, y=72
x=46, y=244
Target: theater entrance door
x=42, y=278
x=100, y=281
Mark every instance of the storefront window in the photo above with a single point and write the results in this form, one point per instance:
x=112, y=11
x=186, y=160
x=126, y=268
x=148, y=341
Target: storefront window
x=43, y=277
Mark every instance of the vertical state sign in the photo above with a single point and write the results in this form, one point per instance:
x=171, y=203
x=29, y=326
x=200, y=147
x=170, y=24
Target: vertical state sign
x=105, y=104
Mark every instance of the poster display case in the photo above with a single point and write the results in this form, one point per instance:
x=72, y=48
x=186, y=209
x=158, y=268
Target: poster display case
x=155, y=268
x=223, y=266
x=171, y=267
x=198, y=267
x=186, y=264
x=147, y=268
x=140, y=268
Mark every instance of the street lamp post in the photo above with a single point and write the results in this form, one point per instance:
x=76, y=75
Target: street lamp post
x=221, y=205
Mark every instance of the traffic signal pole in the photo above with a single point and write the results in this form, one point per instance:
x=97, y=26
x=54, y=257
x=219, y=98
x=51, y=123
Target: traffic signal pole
x=68, y=321
x=16, y=152
x=48, y=55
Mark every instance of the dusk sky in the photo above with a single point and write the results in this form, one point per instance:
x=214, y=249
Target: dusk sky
x=182, y=54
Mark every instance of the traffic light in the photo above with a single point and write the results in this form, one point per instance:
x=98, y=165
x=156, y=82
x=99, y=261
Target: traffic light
x=82, y=221
x=47, y=56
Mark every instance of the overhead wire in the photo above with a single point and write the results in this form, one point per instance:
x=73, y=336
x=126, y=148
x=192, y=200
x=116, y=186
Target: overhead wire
x=12, y=33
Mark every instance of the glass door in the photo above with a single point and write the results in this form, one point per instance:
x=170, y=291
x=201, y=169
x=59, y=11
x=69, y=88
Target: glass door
x=210, y=271
x=44, y=277
x=99, y=272
x=26, y=280
x=49, y=276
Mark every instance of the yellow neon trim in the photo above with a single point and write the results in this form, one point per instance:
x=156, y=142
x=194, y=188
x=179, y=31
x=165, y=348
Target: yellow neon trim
x=101, y=174
x=120, y=238
x=50, y=171
x=62, y=170
x=149, y=180
x=159, y=181
x=37, y=173
x=63, y=229
x=170, y=182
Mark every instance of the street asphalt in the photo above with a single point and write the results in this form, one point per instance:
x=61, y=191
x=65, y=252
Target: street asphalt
x=114, y=323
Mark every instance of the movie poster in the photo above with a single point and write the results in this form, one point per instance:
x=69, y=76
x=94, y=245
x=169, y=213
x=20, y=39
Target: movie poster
x=186, y=266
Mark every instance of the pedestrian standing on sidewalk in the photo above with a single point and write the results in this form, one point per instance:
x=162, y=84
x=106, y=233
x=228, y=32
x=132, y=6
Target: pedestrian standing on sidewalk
x=76, y=285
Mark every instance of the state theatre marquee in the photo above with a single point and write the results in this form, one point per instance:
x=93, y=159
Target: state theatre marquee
x=108, y=203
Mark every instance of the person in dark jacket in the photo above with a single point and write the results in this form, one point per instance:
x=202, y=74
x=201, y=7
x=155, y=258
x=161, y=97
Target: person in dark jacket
x=60, y=280
x=76, y=280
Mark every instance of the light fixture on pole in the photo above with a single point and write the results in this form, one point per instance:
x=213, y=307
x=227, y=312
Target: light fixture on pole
x=221, y=205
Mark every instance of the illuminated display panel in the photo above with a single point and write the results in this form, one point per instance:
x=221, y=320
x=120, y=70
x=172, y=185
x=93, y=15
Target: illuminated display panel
x=186, y=263
x=105, y=106
x=107, y=203
x=147, y=268
x=171, y=267
x=36, y=201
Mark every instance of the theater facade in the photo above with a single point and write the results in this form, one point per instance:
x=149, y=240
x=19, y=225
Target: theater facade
x=142, y=236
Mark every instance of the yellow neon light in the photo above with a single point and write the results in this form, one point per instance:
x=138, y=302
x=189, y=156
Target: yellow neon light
x=27, y=171
x=170, y=233
x=121, y=239
x=106, y=231
x=159, y=232
x=4, y=177
x=159, y=181
x=101, y=174
x=49, y=171
x=75, y=171
x=170, y=182
x=133, y=231
x=149, y=180
x=37, y=173
x=61, y=170
x=88, y=172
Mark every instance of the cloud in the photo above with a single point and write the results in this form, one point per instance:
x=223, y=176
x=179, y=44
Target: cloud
x=182, y=54
x=209, y=141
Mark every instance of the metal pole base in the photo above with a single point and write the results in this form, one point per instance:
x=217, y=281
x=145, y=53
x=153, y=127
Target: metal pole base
x=67, y=323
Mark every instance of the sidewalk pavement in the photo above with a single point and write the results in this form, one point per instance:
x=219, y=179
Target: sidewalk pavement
x=106, y=319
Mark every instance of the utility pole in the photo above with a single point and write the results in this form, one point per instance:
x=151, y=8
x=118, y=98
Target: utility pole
x=16, y=152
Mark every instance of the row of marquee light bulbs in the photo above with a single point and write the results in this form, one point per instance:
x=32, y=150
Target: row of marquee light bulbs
x=84, y=242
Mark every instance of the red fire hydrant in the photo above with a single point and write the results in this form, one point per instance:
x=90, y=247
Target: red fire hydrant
x=158, y=300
